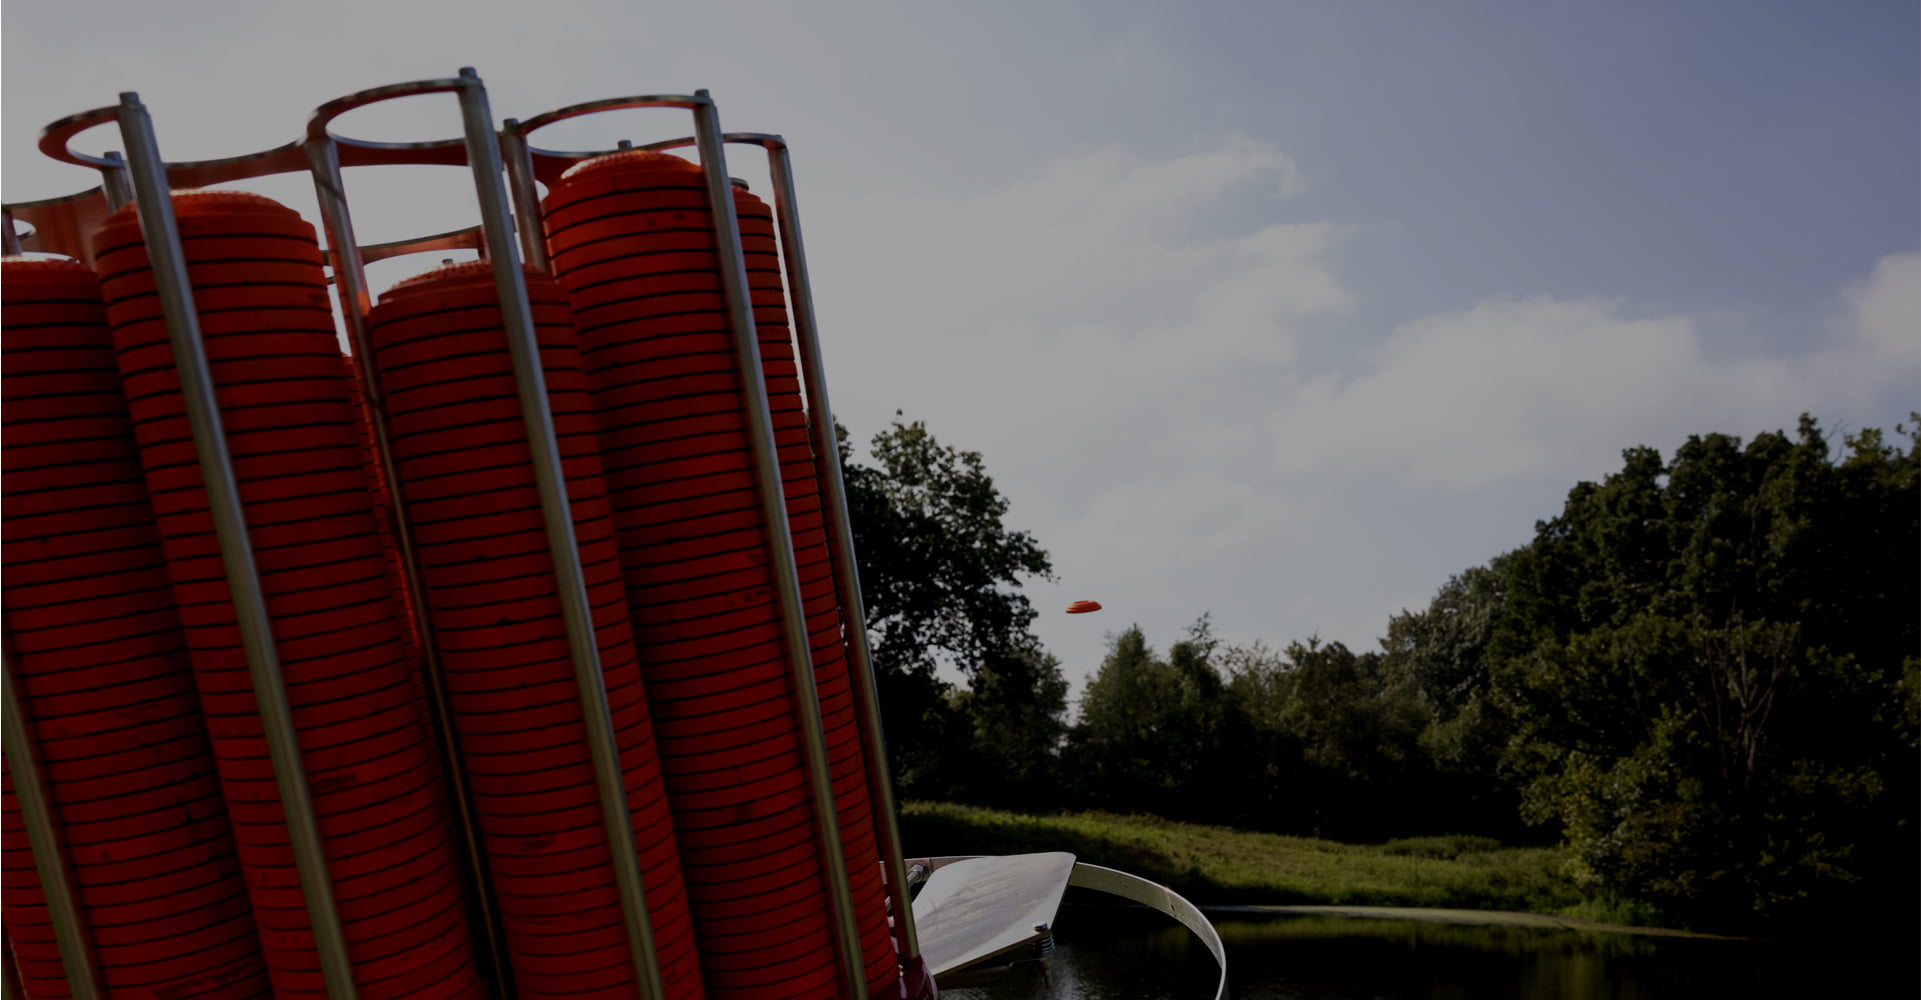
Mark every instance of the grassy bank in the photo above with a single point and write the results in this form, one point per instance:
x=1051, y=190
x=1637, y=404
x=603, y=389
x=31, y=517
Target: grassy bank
x=1218, y=865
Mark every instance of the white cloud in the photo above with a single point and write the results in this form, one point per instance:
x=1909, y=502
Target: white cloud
x=1153, y=526
x=1513, y=390
x=1041, y=315
x=1883, y=318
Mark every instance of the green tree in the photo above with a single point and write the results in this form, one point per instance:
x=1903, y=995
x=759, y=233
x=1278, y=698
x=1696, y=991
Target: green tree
x=1358, y=742
x=1272, y=765
x=940, y=570
x=1204, y=729
x=1437, y=663
x=1118, y=743
x=1709, y=665
x=1156, y=734
x=1015, y=705
x=1440, y=653
x=940, y=577
x=1308, y=741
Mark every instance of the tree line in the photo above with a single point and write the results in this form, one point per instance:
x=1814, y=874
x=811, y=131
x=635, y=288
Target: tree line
x=1701, y=678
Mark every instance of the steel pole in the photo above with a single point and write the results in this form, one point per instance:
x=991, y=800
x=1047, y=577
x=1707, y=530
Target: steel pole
x=780, y=542
x=43, y=837
x=114, y=186
x=520, y=178
x=350, y=274
x=171, y=281
x=516, y=314
x=840, y=538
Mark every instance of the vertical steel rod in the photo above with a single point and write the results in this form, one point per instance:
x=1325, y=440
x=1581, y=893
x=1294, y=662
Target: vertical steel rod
x=780, y=542
x=840, y=537
x=114, y=186
x=43, y=837
x=162, y=236
x=350, y=274
x=520, y=178
x=350, y=281
x=483, y=153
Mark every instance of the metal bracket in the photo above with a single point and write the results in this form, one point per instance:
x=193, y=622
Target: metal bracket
x=1153, y=895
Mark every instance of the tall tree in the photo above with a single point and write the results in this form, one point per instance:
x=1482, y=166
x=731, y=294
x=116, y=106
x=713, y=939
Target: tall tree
x=1159, y=734
x=940, y=576
x=1710, y=661
x=940, y=570
x=1436, y=661
x=1119, y=745
x=1015, y=705
x=1358, y=742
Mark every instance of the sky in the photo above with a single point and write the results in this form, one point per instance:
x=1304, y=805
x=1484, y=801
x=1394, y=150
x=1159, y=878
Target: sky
x=1281, y=312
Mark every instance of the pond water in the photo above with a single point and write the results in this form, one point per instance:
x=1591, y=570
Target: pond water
x=1117, y=953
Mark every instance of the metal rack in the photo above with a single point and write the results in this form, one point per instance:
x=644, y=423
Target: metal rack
x=61, y=225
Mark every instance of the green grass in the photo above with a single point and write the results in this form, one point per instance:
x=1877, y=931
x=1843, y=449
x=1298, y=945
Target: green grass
x=1219, y=865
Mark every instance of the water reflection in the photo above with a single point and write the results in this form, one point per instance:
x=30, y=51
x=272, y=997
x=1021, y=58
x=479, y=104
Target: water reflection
x=1112, y=953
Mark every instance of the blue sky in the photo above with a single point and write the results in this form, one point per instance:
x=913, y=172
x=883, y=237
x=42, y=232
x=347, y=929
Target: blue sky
x=1282, y=311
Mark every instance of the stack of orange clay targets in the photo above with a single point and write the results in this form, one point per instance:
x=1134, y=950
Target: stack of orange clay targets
x=97, y=649
x=823, y=604
x=454, y=416
x=633, y=242
x=292, y=432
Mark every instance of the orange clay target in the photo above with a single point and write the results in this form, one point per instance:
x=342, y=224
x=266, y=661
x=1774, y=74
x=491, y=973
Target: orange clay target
x=1083, y=607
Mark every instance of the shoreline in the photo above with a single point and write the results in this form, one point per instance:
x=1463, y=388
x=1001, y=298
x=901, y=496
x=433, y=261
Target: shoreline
x=1483, y=918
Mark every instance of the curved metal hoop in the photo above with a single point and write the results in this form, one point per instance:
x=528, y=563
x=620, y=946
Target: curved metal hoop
x=56, y=140
x=1156, y=897
x=62, y=223
x=548, y=164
